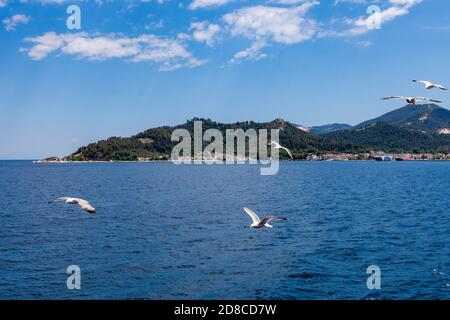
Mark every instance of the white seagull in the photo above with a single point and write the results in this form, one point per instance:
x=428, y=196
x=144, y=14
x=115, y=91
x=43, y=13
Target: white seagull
x=431, y=85
x=85, y=205
x=257, y=223
x=276, y=145
x=412, y=100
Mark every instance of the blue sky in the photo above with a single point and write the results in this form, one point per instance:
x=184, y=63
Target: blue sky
x=139, y=64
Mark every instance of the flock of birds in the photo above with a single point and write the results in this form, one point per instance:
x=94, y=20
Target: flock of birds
x=413, y=100
x=258, y=223
x=261, y=223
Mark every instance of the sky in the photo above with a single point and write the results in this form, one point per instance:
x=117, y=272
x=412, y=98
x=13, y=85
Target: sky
x=133, y=65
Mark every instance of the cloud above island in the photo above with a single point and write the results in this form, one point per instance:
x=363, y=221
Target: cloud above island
x=397, y=8
x=268, y=24
x=205, y=32
x=197, y=4
x=11, y=23
x=169, y=54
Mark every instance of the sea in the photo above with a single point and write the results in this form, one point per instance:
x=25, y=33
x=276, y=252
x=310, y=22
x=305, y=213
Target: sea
x=166, y=231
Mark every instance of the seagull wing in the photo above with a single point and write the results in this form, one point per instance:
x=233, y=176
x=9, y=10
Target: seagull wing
x=252, y=215
x=395, y=97
x=85, y=205
x=427, y=99
x=289, y=152
x=279, y=146
x=276, y=144
x=270, y=218
x=59, y=199
x=440, y=86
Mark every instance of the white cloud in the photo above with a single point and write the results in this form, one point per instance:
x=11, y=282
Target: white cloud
x=183, y=36
x=12, y=22
x=169, y=54
x=195, y=4
x=405, y=2
x=393, y=2
x=282, y=25
x=154, y=25
x=205, y=32
x=363, y=25
x=265, y=24
x=3, y=3
x=251, y=53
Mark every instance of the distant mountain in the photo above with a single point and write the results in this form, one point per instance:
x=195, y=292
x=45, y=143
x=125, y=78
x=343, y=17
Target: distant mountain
x=428, y=118
x=156, y=143
x=390, y=138
x=328, y=128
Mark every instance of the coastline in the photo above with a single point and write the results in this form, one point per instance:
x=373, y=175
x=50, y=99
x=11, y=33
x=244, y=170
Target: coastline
x=205, y=162
x=368, y=156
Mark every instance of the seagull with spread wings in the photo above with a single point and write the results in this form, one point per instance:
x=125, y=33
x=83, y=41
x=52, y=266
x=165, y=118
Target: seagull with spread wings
x=411, y=100
x=258, y=223
x=85, y=205
x=278, y=146
x=430, y=85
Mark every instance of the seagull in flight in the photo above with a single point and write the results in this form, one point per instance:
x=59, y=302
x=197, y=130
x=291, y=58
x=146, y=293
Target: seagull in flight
x=85, y=205
x=430, y=85
x=257, y=223
x=411, y=100
x=278, y=146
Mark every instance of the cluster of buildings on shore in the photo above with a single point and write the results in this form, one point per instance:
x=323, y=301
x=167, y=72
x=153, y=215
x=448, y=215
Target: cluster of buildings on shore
x=378, y=156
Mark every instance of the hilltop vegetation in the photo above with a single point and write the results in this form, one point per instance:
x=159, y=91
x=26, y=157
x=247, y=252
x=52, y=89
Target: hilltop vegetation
x=156, y=144
x=427, y=118
x=411, y=129
x=329, y=128
x=118, y=149
x=389, y=138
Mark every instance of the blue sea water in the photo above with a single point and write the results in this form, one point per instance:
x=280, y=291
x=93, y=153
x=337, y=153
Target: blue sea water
x=179, y=232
